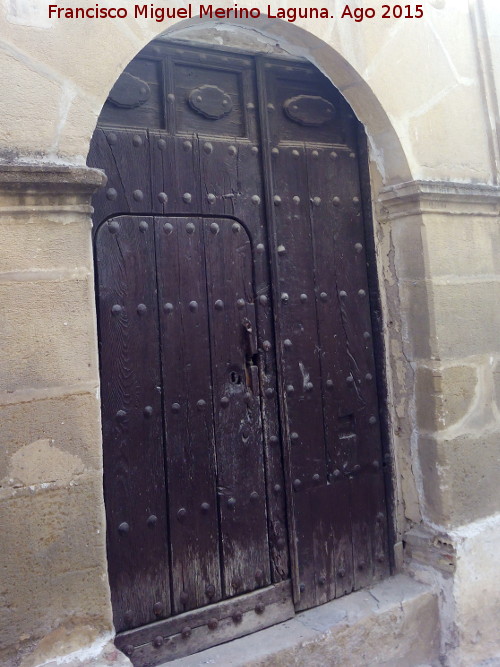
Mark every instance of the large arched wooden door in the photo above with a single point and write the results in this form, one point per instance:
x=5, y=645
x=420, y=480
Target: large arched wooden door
x=242, y=452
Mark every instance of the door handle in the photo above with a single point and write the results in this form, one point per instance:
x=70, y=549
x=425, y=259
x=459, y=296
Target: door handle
x=251, y=369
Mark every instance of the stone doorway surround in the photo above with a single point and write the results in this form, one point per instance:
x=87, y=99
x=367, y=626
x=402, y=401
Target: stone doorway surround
x=437, y=245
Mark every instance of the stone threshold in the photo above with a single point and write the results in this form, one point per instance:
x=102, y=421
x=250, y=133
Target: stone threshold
x=394, y=623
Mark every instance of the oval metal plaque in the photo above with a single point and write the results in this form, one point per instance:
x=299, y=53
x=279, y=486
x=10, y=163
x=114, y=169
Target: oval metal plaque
x=309, y=110
x=129, y=92
x=210, y=101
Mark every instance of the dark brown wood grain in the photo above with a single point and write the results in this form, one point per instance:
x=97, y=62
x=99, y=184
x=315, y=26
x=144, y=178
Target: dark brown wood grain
x=238, y=222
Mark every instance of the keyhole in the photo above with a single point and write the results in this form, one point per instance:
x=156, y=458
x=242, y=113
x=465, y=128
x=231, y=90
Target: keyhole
x=235, y=377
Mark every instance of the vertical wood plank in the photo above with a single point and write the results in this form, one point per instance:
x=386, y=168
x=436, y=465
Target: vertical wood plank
x=187, y=401
x=134, y=482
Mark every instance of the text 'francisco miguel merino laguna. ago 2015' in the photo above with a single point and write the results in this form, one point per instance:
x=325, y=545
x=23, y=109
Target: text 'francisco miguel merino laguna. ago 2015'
x=290, y=14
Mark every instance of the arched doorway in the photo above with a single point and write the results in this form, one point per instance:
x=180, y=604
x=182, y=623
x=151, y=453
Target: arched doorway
x=242, y=452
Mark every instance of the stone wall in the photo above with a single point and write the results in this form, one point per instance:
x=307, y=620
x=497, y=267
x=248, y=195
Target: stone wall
x=427, y=91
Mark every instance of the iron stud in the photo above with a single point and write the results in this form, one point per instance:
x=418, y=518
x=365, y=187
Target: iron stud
x=260, y=248
x=250, y=106
x=361, y=292
x=161, y=143
x=309, y=386
x=129, y=648
x=266, y=346
x=269, y=392
x=316, y=477
x=193, y=306
x=294, y=436
x=138, y=195
x=205, y=507
x=112, y=138
x=123, y=527
x=263, y=299
x=190, y=228
x=186, y=197
x=270, y=106
x=336, y=473
x=213, y=623
x=368, y=377
x=329, y=384
x=113, y=226
x=211, y=198
x=176, y=407
x=323, y=296
x=111, y=194
x=236, y=228
x=352, y=155
x=358, y=247
x=162, y=197
x=181, y=513
x=186, y=632
x=207, y=147
x=214, y=228
x=240, y=303
x=275, y=151
x=254, y=150
x=350, y=379
x=224, y=401
x=290, y=389
x=315, y=154
x=297, y=484
x=376, y=465
x=342, y=294
x=148, y=411
x=201, y=404
x=322, y=580
x=287, y=343
x=254, y=495
x=255, y=199
x=116, y=309
x=232, y=150
x=366, y=335
x=141, y=308
x=303, y=298
x=372, y=420
x=210, y=591
x=333, y=155
x=284, y=297
x=237, y=617
x=187, y=145
x=302, y=588
x=143, y=226
x=296, y=199
x=260, y=608
x=219, y=304
x=355, y=200
x=273, y=439
x=168, y=307
x=137, y=140
x=168, y=228
x=158, y=641
x=336, y=201
x=380, y=517
x=152, y=520
x=295, y=153
x=281, y=250
x=277, y=488
x=316, y=201
x=277, y=200
x=231, y=502
x=120, y=415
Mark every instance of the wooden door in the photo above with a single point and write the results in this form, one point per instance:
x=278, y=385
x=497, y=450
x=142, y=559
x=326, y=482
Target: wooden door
x=244, y=476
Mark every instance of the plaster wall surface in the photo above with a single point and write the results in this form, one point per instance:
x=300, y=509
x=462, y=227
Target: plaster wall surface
x=427, y=91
